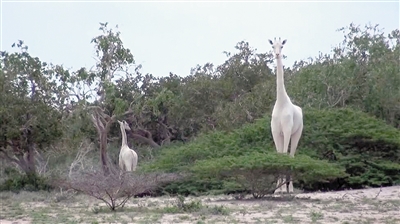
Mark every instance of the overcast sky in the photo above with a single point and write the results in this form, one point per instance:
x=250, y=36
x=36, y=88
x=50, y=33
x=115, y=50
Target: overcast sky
x=176, y=36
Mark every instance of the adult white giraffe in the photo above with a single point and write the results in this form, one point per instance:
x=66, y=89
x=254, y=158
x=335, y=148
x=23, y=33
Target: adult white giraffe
x=127, y=157
x=287, y=118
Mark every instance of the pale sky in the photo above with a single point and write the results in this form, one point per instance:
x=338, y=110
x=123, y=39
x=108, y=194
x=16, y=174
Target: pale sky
x=175, y=36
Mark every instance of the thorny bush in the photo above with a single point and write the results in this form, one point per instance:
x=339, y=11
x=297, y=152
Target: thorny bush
x=115, y=189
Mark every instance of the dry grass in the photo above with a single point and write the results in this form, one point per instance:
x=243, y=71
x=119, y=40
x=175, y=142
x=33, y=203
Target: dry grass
x=358, y=206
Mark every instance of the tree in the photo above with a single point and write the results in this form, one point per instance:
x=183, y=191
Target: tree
x=362, y=72
x=113, y=59
x=247, y=82
x=33, y=96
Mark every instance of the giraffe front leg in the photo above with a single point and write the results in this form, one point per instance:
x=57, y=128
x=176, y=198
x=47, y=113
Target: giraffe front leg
x=278, y=188
x=281, y=185
x=290, y=187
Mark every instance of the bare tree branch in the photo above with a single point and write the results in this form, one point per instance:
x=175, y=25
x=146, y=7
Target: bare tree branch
x=149, y=141
x=9, y=158
x=116, y=189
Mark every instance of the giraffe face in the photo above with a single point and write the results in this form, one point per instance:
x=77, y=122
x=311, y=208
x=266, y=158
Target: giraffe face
x=277, y=46
x=125, y=125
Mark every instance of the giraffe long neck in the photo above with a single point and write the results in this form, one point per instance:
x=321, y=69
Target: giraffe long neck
x=123, y=132
x=281, y=95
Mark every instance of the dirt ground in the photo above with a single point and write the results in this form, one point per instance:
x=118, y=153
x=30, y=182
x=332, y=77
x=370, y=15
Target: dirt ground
x=375, y=205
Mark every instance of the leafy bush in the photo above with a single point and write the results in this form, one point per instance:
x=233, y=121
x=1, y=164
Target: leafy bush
x=251, y=137
x=368, y=148
x=365, y=147
x=27, y=182
x=257, y=172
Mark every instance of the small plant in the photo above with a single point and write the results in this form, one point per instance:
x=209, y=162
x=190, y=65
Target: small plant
x=315, y=216
x=181, y=205
x=219, y=210
x=95, y=210
x=184, y=217
x=288, y=219
x=192, y=206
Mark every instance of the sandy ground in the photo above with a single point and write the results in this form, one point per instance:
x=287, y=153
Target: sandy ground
x=375, y=205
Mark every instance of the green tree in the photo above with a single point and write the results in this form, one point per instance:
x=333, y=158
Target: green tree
x=362, y=72
x=114, y=62
x=33, y=97
x=247, y=80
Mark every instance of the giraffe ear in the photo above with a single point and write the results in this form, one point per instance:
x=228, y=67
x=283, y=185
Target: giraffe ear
x=283, y=42
x=270, y=41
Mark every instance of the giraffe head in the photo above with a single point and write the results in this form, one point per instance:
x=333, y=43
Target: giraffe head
x=277, y=46
x=124, y=124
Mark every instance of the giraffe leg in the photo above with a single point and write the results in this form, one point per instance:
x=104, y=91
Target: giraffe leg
x=284, y=186
x=278, y=139
x=286, y=141
x=290, y=187
x=295, y=141
x=293, y=146
x=278, y=188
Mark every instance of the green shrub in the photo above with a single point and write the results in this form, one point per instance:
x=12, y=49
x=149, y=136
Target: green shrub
x=191, y=186
x=366, y=148
x=215, y=145
x=258, y=172
x=27, y=182
x=181, y=206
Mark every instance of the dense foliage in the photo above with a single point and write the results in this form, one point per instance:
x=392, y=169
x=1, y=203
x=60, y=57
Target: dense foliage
x=367, y=149
x=362, y=72
x=214, y=115
x=33, y=95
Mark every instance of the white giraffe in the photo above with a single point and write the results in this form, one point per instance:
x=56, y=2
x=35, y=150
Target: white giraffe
x=287, y=118
x=127, y=157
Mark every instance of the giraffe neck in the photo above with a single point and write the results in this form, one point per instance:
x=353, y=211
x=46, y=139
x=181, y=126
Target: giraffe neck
x=281, y=95
x=123, y=132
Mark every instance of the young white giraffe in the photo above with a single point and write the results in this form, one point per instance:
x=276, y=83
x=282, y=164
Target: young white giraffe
x=127, y=157
x=287, y=118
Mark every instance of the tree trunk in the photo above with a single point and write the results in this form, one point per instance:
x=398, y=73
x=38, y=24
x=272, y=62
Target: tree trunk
x=103, y=152
x=29, y=149
x=30, y=159
x=22, y=152
x=102, y=126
